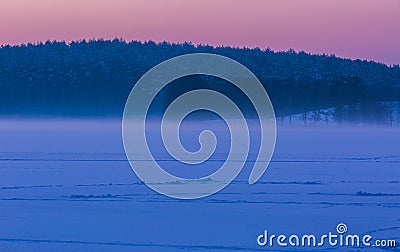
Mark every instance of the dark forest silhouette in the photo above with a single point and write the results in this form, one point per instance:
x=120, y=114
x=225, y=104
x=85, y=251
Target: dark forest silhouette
x=94, y=78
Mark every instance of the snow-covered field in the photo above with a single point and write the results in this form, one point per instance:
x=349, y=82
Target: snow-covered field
x=67, y=186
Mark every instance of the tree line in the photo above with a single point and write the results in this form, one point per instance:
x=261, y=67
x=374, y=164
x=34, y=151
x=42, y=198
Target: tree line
x=94, y=78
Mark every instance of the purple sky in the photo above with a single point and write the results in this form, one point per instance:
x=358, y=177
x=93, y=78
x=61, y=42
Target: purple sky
x=366, y=29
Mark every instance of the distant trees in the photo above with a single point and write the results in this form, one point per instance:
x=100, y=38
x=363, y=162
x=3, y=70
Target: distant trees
x=95, y=77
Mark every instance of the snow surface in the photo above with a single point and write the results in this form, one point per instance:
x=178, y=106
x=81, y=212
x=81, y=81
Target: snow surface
x=67, y=186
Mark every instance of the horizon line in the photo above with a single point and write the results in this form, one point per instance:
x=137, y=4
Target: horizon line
x=195, y=45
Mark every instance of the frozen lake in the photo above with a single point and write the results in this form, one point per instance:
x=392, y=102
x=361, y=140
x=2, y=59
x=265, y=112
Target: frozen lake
x=67, y=186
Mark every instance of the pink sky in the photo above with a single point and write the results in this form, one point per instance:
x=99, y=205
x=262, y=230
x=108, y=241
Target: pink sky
x=366, y=29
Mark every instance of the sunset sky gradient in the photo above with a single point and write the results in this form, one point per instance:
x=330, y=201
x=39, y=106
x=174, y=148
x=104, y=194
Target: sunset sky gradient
x=365, y=29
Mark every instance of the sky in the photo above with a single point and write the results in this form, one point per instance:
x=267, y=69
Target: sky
x=365, y=29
